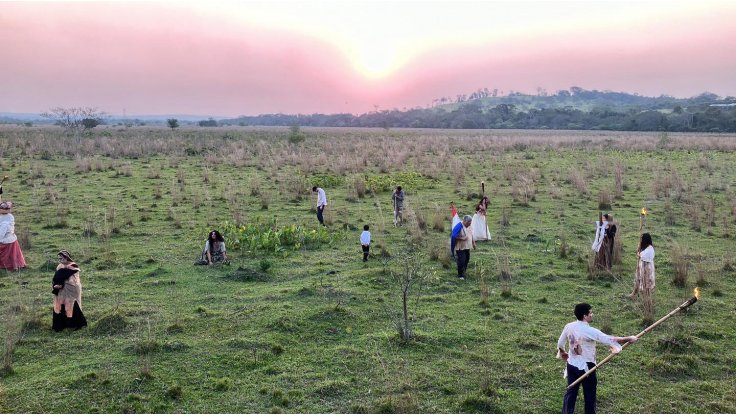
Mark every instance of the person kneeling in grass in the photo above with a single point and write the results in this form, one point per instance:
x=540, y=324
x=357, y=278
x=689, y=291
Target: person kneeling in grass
x=214, y=250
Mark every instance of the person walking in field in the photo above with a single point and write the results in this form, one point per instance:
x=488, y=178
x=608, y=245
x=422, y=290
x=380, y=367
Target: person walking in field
x=321, y=203
x=398, y=198
x=463, y=245
x=365, y=242
x=580, y=356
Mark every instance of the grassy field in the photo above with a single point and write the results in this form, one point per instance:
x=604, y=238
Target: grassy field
x=310, y=328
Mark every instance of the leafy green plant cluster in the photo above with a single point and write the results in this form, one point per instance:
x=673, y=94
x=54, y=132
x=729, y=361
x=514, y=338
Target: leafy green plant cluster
x=406, y=179
x=268, y=236
x=327, y=180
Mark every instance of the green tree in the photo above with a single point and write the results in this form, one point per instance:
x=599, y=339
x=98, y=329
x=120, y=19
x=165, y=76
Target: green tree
x=173, y=123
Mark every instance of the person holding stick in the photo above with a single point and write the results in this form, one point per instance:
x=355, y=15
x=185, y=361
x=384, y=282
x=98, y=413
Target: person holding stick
x=580, y=357
x=398, y=198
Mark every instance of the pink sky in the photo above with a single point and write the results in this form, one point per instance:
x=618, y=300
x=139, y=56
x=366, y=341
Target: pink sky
x=232, y=58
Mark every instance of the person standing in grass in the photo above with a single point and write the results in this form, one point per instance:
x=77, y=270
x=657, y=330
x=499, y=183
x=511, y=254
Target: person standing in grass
x=463, y=245
x=480, y=226
x=365, y=242
x=580, y=357
x=67, y=290
x=604, y=242
x=644, y=279
x=321, y=203
x=398, y=198
x=11, y=257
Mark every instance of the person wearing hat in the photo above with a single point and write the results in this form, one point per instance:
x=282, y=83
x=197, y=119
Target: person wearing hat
x=11, y=257
x=67, y=290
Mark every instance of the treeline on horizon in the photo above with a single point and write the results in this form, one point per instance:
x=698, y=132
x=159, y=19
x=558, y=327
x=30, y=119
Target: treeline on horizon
x=576, y=109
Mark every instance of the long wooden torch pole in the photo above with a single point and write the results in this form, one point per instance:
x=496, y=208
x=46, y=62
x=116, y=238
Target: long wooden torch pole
x=642, y=333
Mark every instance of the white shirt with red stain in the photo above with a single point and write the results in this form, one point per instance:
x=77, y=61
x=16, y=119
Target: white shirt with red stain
x=581, y=339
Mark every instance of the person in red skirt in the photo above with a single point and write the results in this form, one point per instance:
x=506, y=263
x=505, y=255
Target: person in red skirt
x=11, y=257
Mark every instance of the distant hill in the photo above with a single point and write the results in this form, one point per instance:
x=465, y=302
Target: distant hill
x=574, y=109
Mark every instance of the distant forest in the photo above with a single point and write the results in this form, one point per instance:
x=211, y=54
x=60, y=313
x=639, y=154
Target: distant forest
x=576, y=109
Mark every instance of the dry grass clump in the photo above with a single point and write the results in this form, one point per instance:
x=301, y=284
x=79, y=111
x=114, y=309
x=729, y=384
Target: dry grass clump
x=669, y=213
x=680, y=265
x=692, y=212
x=83, y=164
x=523, y=190
x=438, y=220
x=359, y=186
x=618, y=180
x=604, y=200
x=668, y=184
x=505, y=219
x=578, y=181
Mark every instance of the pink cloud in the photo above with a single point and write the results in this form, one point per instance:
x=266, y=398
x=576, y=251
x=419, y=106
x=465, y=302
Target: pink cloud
x=153, y=58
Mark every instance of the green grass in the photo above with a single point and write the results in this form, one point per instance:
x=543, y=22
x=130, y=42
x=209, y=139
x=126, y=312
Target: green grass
x=311, y=330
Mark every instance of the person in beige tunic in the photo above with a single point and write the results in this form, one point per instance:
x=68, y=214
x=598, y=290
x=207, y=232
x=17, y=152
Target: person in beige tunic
x=645, y=278
x=67, y=290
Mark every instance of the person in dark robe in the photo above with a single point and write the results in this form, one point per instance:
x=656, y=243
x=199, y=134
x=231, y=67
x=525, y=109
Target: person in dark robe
x=67, y=290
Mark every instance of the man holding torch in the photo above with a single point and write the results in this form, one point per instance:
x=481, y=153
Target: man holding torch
x=580, y=357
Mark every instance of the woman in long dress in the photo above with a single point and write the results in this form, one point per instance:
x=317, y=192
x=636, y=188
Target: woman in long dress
x=11, y=257
x=67, y=290
x=479, y=224
x=645, y=279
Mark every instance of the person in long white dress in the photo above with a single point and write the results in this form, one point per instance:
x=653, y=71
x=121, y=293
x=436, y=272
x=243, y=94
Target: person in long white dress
x=479, y=224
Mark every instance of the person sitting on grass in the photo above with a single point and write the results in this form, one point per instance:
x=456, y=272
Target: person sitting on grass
x=214, y=250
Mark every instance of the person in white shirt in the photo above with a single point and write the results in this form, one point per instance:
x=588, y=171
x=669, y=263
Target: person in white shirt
x=644, y=279
x=321, y=203
x=580, y=357
x=11, y=257
x=365, y=242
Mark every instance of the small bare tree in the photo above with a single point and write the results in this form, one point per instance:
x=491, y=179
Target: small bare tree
x=75, y=119
x=410, y=278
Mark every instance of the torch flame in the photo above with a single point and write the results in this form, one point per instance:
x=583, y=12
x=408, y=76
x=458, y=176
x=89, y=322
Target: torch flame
x=644, y=211
x=696, y=292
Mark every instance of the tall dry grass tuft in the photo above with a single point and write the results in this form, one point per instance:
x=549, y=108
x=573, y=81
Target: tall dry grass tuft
x=438, y=220
x=604, y=200
x=25, y=238
x=710, y=214
x=505, y=218
x=692, y=212
x=523, y=190
x=578, y=181
x=563, y=249
x=618, y=180
x=360, y=187
x=680, y=265
x=669, y=213
x=265, y=200
x=647, y=306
